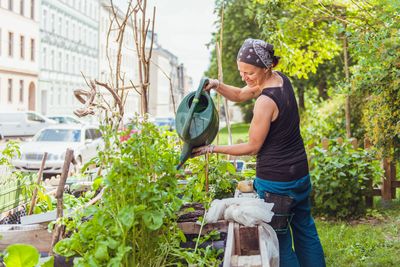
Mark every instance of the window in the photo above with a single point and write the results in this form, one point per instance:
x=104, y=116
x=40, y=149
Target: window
x=22, y=7
x=51, y=96
x=67, y=29
x=10, y=5
x=34, y=117
x=73, y=32
x=88, y=134
x=66, y=63
x=59, y=61
x=21, y=91
x=10, y=44
x=32, y=9
x=44, y=26
x=10, y=89
x=52, y=60
x=32, y=49
x=52, y=22
x=44, y=58
x=22, y=46
x=60, y=25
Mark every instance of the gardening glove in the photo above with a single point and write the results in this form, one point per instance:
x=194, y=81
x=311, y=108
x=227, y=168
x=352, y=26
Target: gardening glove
x=212, y=84
x=198, y=151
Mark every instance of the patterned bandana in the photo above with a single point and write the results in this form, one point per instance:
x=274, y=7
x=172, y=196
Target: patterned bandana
x=257, y=53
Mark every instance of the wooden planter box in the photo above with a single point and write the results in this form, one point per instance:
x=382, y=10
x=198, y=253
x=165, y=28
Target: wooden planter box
x=35, y=235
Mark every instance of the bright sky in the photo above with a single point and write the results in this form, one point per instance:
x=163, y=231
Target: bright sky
x=184, y=28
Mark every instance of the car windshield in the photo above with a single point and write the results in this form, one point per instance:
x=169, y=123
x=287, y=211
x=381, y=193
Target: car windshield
x=164, y=121
x=59, y=135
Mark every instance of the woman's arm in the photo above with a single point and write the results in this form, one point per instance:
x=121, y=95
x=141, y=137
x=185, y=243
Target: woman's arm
x=232, y=93
x=265, y=110
x=236, y=94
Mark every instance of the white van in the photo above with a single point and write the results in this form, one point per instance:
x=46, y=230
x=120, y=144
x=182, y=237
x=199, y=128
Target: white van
x=22, y=123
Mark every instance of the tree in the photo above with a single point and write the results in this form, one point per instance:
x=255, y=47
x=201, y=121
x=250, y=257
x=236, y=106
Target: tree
x=376, y=77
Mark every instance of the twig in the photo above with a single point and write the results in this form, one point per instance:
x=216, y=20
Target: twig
x=39, y=179
x=69, y=154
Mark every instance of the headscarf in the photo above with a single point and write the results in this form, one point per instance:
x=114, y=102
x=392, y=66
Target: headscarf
x=257, y=53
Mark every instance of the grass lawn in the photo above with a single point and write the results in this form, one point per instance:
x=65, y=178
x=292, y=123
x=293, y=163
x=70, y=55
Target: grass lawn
x=372, y=241
x=239, y=131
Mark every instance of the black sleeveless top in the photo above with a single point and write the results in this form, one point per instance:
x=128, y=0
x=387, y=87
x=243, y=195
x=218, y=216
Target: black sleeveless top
x=282, y=156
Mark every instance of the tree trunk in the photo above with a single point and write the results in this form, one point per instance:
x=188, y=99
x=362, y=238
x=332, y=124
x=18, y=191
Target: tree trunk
x=300, y=94
x=322, y=89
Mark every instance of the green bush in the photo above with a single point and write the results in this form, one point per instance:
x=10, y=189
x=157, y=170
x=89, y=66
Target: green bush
x=325, y=119
x=340, y=175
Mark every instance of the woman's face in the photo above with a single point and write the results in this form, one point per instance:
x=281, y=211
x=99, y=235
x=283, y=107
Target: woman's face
x=250, y=74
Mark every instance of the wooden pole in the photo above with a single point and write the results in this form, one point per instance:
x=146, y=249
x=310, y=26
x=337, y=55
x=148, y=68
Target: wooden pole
x=39, y=179
x=69, y=155
x=369, y=199
x=347, y=75
x=393, y=183
x=386, y=181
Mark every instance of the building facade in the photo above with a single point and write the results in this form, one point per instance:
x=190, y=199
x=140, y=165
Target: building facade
x=167, y=82
x=47, y=46
x=69, y=34
x=19, y=40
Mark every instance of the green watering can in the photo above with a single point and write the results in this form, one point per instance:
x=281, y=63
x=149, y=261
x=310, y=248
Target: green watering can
x=196, y=121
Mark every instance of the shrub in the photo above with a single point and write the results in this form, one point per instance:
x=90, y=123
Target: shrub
x=340, y=175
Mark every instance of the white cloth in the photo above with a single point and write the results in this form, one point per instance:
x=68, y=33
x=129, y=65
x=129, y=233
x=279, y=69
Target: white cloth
x=246, y=211
x=249, y=212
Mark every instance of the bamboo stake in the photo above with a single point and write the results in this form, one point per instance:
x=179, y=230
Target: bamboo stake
x=39, y=179
x=207, y=169
x=347, y=75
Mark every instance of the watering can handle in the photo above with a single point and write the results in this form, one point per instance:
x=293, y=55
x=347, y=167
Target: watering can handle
x=195, y=101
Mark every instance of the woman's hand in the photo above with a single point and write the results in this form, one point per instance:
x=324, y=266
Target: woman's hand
x=212, y=84
x=198, y=151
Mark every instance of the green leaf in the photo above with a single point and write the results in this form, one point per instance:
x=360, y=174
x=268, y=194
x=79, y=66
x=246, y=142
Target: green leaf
x=46, y=262
x=20, y=255
x=101, y=252
x=153, y=219
x=126, y=215
x=63, y=247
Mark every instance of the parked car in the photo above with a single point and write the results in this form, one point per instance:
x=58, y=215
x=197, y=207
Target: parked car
x=22, y=124
x=168, y=122
x=85, y=140
x=66, y=119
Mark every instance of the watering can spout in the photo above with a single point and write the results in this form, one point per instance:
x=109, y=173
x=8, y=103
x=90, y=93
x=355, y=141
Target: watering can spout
x=196, y=121
x=185, y=154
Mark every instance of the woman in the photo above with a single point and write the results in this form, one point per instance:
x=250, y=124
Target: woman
x=274, y=136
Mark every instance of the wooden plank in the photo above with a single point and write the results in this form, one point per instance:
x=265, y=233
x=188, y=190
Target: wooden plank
x=35, y=235
x=376, y=192
x=395, y=184
x=194, y=228
x=248, y=240
x=237, y=238
x=230, y=246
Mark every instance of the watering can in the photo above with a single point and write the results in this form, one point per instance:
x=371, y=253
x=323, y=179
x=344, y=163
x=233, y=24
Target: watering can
x=196, y=121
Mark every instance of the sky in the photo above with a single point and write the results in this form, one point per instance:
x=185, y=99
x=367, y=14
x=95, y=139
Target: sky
x=184, y=27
